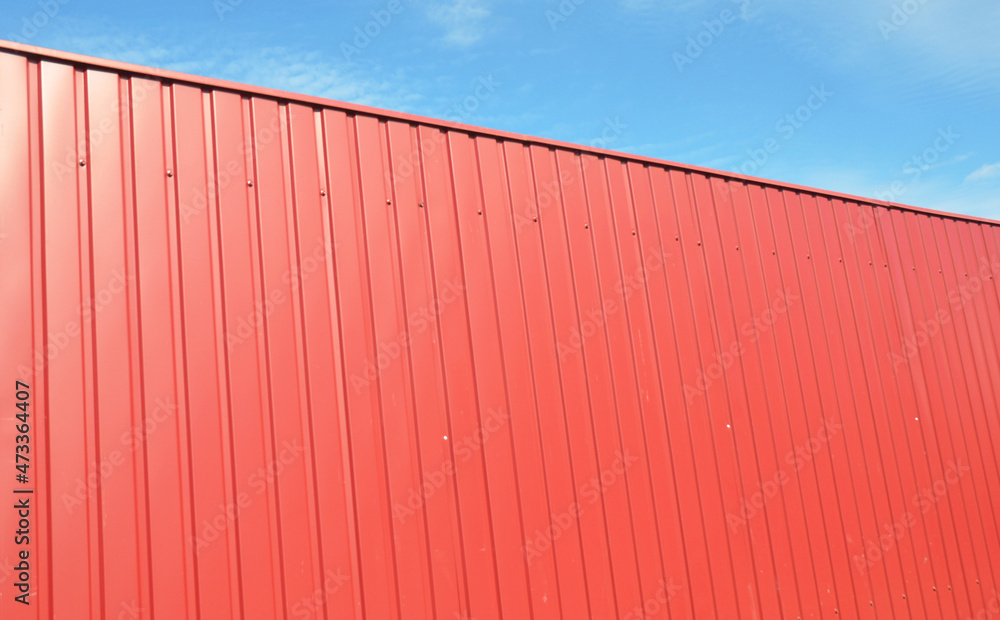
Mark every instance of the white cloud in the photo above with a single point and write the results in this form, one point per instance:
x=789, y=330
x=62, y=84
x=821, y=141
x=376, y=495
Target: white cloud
x=989, y=171
x=463, y=20
x=243, y=60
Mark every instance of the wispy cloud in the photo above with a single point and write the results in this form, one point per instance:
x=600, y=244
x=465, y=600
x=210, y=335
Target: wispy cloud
x=462, y=20
x=243, y=60
x=990, y=171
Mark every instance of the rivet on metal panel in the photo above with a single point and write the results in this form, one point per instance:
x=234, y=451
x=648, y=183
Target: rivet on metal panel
x=699, y=243
x=170, y=173
x=677, y=238
x=808, y=257
x=249, y=183
x=83, y=162
x=934, y=588
x=322, y=192
x=949, y=588
x=633, y=233
x=534, y=219
x=480, y=211
x=904, y=597
x=420, y=204
x=388, y=202
x=737, y=248
x=836, y=611
x=871, y=603
x=586, y=226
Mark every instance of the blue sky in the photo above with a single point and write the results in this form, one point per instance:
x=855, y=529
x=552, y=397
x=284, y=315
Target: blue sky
x=881, y=98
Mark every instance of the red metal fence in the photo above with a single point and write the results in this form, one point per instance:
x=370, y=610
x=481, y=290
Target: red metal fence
x=289, y=358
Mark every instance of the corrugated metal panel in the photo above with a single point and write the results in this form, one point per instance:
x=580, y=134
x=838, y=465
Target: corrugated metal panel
x=296, y=359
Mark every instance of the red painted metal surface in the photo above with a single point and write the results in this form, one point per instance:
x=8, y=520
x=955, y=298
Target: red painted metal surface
x=290, y=358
